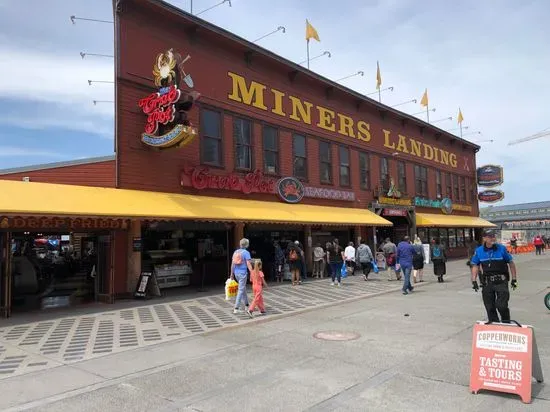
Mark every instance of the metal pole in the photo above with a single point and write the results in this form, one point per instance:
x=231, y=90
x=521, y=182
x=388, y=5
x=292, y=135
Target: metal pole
x=379, y=95
x=191, y=6
x=428, y=112
x=461, y=130
x=307, y=41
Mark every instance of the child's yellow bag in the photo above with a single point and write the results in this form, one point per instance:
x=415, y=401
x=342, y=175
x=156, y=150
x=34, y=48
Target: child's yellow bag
x=231, y=288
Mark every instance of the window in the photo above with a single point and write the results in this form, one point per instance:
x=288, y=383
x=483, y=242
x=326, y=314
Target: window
x=460, y=238
x=242, y=135
x=211, y=137
x=325, y=165
x=364, y=170
x=452, y=238
x=270, y=137
x=467, y=236
x=444, y=237
x=449, y=186
x=455, y=197
x=438, y=184
x=344, y=166
x=401, y=177
x=384, y=174
x=462, y=189
x=300, y=160
x=421, y=180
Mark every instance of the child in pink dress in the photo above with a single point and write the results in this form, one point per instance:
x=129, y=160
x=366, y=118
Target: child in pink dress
x=258, y=283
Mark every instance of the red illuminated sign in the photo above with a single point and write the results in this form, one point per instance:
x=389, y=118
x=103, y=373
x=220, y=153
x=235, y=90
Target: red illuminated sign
x=200, y=178
x=160, y=107
x=394, y=212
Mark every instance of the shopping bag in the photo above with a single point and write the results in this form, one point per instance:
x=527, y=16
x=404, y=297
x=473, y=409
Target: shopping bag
x=344, y=271
x=231, y=288
x=375, y=267
x=397, y=267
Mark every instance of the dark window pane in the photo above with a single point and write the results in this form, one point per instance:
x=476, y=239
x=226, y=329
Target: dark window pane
x=210, y=123
x=324, y=151
x=243, y=157
x=325, y=172
x=270, y=138
x=344, y=156
x=271, y=162
x=364, y=169
x=299, y=145
x=242, y=131
x=344, y=175
x=211, y=150
x=300, y=168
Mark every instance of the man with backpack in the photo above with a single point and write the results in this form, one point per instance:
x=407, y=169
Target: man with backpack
x=364, y=258
x=240, y=265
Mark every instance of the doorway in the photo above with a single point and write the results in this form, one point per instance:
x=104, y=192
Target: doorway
x=397, y=232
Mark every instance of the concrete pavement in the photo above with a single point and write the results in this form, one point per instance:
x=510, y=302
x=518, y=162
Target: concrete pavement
x=398, y=363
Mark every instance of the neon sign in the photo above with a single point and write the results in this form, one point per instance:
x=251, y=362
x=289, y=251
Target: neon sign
x=168, y=106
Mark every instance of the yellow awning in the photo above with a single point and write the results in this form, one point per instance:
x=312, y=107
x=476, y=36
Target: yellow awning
x=28, y=198
x=433, y=220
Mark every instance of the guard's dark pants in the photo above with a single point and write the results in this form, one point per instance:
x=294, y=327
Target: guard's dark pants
x=495, y=298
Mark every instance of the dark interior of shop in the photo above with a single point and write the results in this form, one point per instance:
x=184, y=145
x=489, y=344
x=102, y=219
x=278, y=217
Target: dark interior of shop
x=52, y=270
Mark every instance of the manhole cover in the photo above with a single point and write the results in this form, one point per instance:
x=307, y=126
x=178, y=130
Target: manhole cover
x=338, y=336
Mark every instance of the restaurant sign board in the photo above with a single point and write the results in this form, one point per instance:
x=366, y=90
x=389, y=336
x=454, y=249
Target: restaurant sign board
x=382, y=200
x=61, y=223
x=490, y=196
x=201, y=178
x=490, y=175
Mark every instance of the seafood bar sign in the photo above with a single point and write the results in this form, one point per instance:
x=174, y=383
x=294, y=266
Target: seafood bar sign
x=167, y=125
x=289, y=189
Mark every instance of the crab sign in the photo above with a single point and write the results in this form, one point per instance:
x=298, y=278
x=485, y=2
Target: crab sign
x=163, y=70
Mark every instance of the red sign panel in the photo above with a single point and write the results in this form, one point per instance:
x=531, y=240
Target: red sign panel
x=502, y=359
x=201, y=178
x=490, y=196
x=394, y=212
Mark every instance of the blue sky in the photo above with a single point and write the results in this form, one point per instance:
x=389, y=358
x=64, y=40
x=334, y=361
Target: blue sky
x=489, y=57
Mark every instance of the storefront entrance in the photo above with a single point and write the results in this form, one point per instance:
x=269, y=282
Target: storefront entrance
x=397, y=232
x=45, y=270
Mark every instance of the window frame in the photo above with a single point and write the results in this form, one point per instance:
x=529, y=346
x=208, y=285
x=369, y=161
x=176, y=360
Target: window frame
x=448, y=185
x=278, y=151
x=386, y=187
x=364, y=184
x=294, y=134
x=220, y=139
x=438, y=185
x=423, y=181
x=250, y=145
x=462, y=188
x=328, y=163
x=343, y=165
x=402, y=188
x=456, y=189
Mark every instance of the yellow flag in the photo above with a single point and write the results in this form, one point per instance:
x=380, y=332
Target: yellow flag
x=424, y=101
x=311, y=33
x=460, y=117
x=378, y=76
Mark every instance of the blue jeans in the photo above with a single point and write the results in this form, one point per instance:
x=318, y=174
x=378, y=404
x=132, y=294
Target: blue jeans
x=407, y=278
x=241, y=278
x=336, y=271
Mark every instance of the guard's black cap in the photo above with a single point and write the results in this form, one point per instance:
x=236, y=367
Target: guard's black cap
x=489, y=233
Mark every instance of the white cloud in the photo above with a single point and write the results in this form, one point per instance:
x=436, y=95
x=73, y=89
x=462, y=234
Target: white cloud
x=10, y=151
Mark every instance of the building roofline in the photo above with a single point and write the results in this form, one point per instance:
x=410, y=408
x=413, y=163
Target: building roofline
x=45, y=166
x=298, y=68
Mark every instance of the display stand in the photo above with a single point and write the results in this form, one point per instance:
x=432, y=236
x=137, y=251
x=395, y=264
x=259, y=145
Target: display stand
x=147, y=286
x=505, y=358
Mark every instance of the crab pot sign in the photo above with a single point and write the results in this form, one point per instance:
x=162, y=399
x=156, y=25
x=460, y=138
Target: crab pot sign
x=502, y=359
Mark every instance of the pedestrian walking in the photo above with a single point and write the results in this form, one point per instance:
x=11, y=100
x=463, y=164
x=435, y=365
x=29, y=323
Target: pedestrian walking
x=349, y=256
x=240, y=265
x=418, y=260
x=493, y=264
x=318, y=261
x=438, y=256
x=538, y=242
x=404, y=256
x=390, y=250
x=514, y=245
x=294, y=257
x=303, y=269
x=335, y=256
x=364, y=258
x=258, y=284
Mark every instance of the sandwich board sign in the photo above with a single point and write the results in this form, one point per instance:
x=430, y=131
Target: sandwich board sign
x=504, y=359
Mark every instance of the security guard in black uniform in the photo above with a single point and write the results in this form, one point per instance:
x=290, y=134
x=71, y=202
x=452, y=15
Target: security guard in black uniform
x=496, y=266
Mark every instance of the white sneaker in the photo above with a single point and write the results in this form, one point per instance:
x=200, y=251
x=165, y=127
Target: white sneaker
x=332, y=284
x=339, y=284
x=236, y=311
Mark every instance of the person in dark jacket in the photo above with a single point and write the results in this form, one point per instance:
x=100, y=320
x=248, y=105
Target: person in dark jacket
x=278, y=262
x=438, y=257
x=294, y=258
x=404, y=256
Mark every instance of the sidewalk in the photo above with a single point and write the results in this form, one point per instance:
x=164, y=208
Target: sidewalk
x=406, y=353
x=29, y=345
